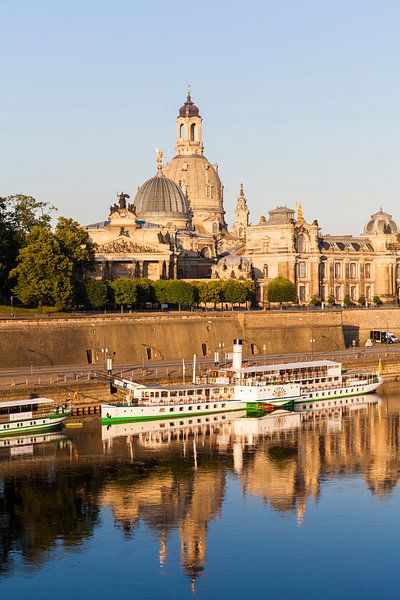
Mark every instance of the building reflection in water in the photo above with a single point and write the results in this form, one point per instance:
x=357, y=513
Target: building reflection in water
x=171, y=475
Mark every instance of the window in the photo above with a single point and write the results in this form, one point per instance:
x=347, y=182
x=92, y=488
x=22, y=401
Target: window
x=368, y=294
x=338, y=292
x=265, y=271
x=265, y=246
x=353, y=270
x=338, y=269
x=181, y=131
x=302, y=293
x=368, y=271
x=353, y=292
x=301, y=269
x=193, y=132
x=214, y=227
x=301, y=243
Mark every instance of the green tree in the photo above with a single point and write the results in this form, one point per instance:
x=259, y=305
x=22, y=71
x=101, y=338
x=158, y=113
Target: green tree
x=145, y=291
x=376, y=300
x=211, y=292
x=76, y=245
x=18, y=215
x=347, y=300
x=281, y=290
x=234, y=292
x=362, y=300
x=43, y=274
x=315, y=301
x=96, y=292
x=125, y=291
x=161, y=291
x=331, y=299
x=179, y=292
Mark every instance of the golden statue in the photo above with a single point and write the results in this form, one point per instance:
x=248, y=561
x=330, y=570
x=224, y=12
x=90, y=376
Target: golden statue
x=299, y=209
x=160, y=156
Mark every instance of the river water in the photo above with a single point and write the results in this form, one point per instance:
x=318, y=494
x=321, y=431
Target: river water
x=287, y=506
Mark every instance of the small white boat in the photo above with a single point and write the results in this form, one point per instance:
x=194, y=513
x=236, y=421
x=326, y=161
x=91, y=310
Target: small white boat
x=32, y=414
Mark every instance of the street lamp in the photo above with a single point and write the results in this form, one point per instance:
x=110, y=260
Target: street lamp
x=312, y=342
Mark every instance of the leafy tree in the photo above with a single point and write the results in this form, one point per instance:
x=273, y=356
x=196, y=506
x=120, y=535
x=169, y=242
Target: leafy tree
x=211, y=291
x=76, y=245
x=234, y=292
x=362, y=300
x=347, y=300
x=96, y=292
x=376, y=300
x=145, y=291
x=331, y=299
x=281, y=290
x=125, y=291
x=18, y=215
x=315, y=301
x=43, y=273
x=161, y=291
x=179, y=292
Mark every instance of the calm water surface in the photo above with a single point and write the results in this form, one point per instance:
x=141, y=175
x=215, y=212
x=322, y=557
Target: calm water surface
x=291, y=506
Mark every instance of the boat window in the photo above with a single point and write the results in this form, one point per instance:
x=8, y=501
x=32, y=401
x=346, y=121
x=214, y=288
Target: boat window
x=162, y=410
x=190, y=392
x=215, y=405
x=223, y=405
x=190, y=407
x=181, y=408
x=199, y=407
x=171, y=409
x=164, y=394
x=162, y=425
x=207, y=406
x=173, y=394
x=181, y=393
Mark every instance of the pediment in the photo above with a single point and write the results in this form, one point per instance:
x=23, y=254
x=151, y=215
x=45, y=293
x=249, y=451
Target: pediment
x=123, y=245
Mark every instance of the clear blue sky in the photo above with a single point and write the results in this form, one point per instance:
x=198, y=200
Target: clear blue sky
x=300, y=101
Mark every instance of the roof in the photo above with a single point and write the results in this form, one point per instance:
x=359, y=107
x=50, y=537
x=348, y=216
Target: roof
x=16, y=403
x=286, y=366
x=160, y=196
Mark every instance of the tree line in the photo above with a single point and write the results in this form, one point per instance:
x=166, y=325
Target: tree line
x=137, y=293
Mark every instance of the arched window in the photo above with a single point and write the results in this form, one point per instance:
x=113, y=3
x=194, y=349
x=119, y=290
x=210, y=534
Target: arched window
x=353, y=270
x=338, y=270
x=301, y=243
x=353, y=292
x=368, y=271
x=193, y=132
x=182, y=131
x=265, y=271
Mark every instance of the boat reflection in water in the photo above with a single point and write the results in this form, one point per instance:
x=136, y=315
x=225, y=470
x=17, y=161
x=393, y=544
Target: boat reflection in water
x=172, y=475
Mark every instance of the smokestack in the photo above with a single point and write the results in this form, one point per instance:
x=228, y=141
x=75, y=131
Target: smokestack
x=237, y=354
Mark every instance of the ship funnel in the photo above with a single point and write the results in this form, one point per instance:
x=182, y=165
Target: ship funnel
x=237, y=354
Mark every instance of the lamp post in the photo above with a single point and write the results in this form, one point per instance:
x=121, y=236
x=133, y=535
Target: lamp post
x=264, y=351
x=312, y=342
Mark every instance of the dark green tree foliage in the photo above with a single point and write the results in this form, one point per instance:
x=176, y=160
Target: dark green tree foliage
x=331, y=300
x=125, y=291
x=145, y=291
x=160, y=288
x=179, y=292
x=18, y=215
x=96, y=292
x=44, y=273
x=211, y=291
x=362, y=300
x=51, y=265
x=234, y=292
x=281, y=290
x=347, y=300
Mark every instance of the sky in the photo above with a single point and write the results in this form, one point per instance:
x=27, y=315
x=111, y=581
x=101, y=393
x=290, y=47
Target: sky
x=300, y=100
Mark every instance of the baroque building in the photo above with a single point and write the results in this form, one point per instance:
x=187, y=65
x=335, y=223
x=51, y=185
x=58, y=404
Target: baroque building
x=175, y=228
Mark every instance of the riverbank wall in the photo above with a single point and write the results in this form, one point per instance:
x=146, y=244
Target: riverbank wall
x=153, y=336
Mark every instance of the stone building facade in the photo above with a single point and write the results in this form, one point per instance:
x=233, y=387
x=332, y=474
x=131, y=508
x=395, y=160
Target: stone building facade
x=175, y=228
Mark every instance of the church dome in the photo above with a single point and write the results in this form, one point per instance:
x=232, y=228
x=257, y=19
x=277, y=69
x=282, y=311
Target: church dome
x=160, y=199
x=381, y=223
x=189, y=109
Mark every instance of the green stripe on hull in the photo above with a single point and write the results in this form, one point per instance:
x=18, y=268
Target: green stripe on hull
x=12, y=432
x=105, y=421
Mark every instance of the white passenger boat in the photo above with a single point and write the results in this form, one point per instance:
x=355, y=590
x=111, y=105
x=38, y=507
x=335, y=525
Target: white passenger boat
x=286, y=384
x=32, y=414
x=166, y=402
